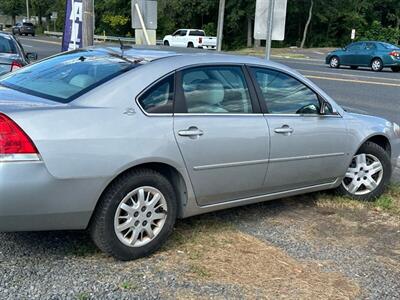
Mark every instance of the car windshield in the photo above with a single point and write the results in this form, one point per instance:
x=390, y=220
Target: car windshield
x=7, y=45
x=65, y=77
x=389, y=46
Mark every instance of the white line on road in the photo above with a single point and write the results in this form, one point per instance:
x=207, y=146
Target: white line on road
x=349, y=75
x=353, y=80
x=41, y=41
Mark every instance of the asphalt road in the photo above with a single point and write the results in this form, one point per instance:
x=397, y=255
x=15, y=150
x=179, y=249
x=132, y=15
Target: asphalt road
x=361, y=90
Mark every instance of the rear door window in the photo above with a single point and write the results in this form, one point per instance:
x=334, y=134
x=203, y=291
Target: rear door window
x=216, y=89
x=196, y=33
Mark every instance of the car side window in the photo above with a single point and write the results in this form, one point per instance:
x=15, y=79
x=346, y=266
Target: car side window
x=159, y=98
x=216, y=89
x=370, y=46
x=183, y=32
x=355, y=46
x=284, y=94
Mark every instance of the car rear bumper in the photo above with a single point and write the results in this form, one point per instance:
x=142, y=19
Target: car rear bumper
x=32, y=199
x=27, y=31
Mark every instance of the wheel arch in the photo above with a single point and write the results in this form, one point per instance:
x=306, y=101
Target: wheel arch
x=376, y=57
x=379, y=139
x=170, y=172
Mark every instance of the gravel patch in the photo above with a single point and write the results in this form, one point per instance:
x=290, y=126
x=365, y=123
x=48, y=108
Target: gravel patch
x=360, y=245
x=66, y=265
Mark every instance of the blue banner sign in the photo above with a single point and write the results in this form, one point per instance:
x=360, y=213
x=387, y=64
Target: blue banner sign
x=72, y=37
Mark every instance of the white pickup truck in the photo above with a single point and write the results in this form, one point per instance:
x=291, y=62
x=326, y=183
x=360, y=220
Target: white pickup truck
x=190, y=38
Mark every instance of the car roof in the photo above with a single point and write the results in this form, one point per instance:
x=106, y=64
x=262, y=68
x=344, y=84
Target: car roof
x=3, y=33
x=192, y=56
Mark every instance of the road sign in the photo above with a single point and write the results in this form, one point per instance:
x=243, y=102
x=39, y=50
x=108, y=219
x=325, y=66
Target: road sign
x=148, y=8
x=54, y=15
x=353, y=34
x=278, y=20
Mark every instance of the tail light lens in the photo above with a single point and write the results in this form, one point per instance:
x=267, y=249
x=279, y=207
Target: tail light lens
x=395, y=54
x=15, y=65
x=15, y=144
x=200, y=40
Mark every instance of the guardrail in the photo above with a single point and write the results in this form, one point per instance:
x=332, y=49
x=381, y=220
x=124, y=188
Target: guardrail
x=102, y=37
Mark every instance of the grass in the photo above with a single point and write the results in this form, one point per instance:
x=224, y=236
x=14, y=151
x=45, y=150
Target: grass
x=82, y=296
x=210, y=249
x=276, y=52
x=388, y=202
x=130, y=286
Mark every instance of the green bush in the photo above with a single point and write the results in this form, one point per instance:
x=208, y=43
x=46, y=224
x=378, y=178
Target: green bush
x=377, y=32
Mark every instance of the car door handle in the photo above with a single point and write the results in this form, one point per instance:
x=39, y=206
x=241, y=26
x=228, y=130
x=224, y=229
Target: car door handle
x=285, y=129
x=191, y=131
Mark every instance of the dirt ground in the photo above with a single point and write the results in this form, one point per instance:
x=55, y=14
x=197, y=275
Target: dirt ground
x=315, y=246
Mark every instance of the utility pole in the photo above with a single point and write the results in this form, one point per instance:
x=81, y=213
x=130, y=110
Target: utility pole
x=220, y=28
x=271, y=6
x=88, y=23
x=27, y=11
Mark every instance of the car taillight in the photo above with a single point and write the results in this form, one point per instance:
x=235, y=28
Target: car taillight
x=15, y=65
x=395, y=54
x=200, y=40
x=15, y=144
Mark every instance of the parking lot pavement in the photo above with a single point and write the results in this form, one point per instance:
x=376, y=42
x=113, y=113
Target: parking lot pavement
x=297, y=248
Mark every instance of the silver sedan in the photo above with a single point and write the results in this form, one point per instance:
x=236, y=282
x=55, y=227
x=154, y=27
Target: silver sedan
x=124, y=142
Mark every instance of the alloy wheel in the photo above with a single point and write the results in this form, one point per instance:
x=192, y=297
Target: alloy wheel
x=334, y=62
x=140, y=216
x=364, y=174
x=376, y=65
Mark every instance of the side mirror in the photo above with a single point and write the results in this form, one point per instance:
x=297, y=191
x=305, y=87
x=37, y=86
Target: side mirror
x=32, y=56
x=327, y=109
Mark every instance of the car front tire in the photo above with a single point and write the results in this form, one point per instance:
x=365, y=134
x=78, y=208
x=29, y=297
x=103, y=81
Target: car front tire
x=166, y=43
x=135, y=215
x=334, y=62
x=368, y=174
x=376, y=65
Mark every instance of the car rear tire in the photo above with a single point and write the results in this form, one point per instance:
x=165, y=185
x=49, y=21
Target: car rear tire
x=395, y=69
x=354, y=67
x=368, y=174
x=376, y=65
x=33, y=34
x=135, y=215
x=334, y=62
x=190, y=45
x=166, y=43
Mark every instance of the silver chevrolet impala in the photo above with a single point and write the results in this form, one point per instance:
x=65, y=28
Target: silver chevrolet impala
x=123, y=143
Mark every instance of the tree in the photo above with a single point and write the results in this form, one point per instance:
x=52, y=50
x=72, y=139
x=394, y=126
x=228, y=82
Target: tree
x=307, y=24
x=12, y=8
x=40, y=8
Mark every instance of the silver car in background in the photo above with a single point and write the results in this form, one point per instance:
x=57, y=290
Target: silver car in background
x=123, y=143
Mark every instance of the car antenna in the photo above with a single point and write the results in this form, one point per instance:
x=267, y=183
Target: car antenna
x=123, y=47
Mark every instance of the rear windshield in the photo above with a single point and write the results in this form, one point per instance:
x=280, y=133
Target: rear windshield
x=389, y=46
x=65, y=77
x=197, y=33
x=7, y=45
x=28, y=24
